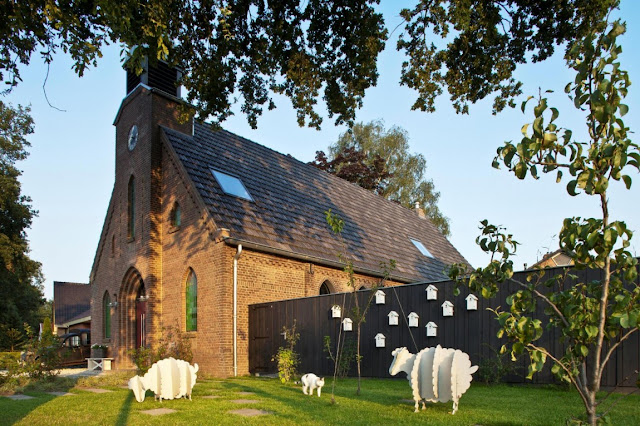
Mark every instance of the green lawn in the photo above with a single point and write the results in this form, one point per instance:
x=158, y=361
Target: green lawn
x=383, y=401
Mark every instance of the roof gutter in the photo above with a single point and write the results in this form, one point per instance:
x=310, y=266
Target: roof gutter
x=318, y=260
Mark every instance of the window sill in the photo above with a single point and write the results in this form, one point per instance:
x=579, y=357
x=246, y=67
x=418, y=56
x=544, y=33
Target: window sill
x=190, y=334
x=131, y=239
x=173, y=229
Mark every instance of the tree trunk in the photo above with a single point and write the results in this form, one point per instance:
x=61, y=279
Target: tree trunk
x=592, y=416
x=358, y=357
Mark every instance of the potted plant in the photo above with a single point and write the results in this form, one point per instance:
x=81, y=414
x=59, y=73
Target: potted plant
x=98, y=351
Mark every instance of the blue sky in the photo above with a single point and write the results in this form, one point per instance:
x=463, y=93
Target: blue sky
x=70, y=172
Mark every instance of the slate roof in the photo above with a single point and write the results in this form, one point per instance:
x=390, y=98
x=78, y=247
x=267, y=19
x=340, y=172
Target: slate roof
x=71, y=301
x=290, y=198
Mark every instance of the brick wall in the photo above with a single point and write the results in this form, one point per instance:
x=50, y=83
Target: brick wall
x=161, y=255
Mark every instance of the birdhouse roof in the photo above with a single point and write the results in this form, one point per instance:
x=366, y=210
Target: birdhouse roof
x=471, y=297
x=447, y=303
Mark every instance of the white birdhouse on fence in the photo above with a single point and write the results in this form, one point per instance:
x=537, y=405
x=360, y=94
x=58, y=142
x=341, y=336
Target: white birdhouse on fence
x=347, y=324
x=432, y=329
x=380, y=297
x=472, y=302
x=336, y=311
x=380, y=339
x=432, y=292
x=447, y=309
x=393, y=318
x=413, y=319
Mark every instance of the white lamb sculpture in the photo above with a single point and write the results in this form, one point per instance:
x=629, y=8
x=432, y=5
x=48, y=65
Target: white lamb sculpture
x=435, y=374
x=168, y=379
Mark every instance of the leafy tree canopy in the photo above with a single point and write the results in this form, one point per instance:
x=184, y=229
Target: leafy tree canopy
x=307, y=50
x=20, y=277
x=379, y=160
x=593, y=317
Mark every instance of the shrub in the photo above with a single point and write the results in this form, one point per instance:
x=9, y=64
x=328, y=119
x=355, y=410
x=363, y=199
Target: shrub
x=347, y=357
x=173, y=343
x=8, y=359
x=492, y=369
x=286, y=357
x=41, y=355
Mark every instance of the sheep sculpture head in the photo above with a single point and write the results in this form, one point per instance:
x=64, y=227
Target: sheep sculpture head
x=435, y=374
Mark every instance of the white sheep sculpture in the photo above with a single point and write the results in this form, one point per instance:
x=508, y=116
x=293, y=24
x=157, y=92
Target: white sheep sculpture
x=435, y=374
x=168, y=378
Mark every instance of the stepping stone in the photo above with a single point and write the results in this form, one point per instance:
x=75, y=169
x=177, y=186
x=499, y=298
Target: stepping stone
x=247, y=393
x=97, y=390
x=211, y=396
x=249, y=412
x=20, y=397
x=61, y=393
x=158, y=411
x=245, y=401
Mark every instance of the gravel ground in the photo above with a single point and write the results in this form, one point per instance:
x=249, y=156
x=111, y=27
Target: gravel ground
x=78, y=372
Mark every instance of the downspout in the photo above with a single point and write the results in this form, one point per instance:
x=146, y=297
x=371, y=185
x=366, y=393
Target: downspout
x=235, y=310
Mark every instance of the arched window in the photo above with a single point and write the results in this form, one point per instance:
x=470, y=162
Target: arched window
x=324, y=288
x=106, y=316
x=191, y=299
x=176, y=215
x=131, y=208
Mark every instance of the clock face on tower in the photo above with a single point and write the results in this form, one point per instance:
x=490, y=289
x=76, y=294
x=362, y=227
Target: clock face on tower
x=133, y=137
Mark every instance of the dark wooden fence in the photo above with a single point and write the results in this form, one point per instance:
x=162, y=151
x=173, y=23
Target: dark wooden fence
x=474, y=332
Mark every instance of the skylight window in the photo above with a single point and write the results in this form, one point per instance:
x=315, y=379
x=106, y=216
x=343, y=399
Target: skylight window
x=231, y=185
x=421, y=247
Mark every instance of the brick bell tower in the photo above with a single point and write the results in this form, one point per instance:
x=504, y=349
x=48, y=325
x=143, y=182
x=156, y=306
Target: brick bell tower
x=128, y=265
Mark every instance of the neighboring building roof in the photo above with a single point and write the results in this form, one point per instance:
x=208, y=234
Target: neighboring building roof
x=290, y=199
x=71, y=301
x=550, y=260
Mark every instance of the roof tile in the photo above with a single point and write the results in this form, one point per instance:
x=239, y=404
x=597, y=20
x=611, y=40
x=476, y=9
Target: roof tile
x=290, y=201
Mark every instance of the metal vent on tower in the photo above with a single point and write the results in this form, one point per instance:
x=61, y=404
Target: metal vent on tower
x=159, y=76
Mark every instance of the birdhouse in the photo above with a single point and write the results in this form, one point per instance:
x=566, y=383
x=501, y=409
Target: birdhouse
x=432, y=329
x=413, y=319
x=432, y=292
x=472, y=302
x=380, y=340
x=380, y=296
x=393, y=318
x=447, y=309
x=336, y=311
x=347, y=324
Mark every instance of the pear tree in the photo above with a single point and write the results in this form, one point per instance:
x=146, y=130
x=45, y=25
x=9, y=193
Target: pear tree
x=593, y=317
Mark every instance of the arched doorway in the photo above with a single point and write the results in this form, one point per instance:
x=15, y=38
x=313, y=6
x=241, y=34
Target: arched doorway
x=133, y=317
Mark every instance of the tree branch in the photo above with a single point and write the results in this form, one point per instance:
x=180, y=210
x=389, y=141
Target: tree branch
x=613, y=348
x=546, y=299
x=565, y=368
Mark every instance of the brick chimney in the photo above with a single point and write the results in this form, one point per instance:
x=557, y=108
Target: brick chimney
x=419, y=211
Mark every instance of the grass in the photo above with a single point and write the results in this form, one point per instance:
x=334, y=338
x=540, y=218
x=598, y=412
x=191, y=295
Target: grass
x=383, y=401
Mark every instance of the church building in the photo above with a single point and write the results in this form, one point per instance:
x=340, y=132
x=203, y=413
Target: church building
x=203, y=223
